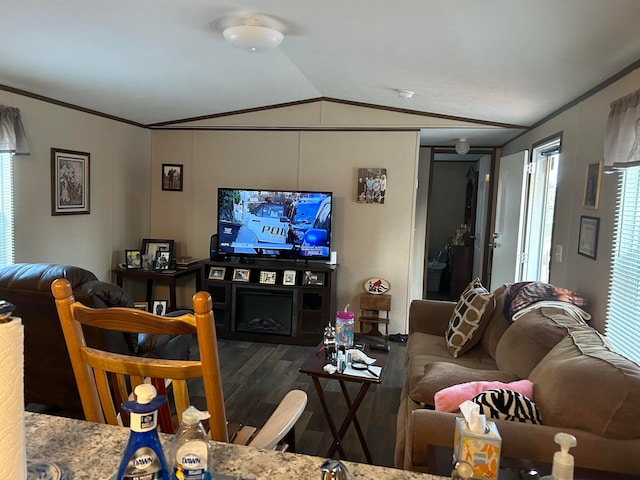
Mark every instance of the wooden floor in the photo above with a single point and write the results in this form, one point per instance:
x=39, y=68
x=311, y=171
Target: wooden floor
x=257, y=375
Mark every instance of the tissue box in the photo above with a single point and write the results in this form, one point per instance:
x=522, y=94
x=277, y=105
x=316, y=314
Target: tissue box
x=482, y=451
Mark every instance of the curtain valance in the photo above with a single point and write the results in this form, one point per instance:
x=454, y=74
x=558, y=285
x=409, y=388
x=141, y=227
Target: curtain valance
x=13, y=138
x=622, y=139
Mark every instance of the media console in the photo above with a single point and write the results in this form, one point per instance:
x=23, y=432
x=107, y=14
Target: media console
x=276, y=301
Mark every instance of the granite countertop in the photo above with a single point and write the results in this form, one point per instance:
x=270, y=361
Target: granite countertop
x=92, y=451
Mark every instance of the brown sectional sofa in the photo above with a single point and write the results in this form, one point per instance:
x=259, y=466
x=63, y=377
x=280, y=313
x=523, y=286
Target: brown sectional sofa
x=581, y=386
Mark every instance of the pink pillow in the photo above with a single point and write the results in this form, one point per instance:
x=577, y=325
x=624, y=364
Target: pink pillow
x=449, y=399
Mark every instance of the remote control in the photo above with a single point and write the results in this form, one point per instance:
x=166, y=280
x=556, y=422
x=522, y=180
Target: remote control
x=379, y=346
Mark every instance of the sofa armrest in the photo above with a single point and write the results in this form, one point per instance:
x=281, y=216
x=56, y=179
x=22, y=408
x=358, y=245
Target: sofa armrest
x=521, y=441
x=430, y=316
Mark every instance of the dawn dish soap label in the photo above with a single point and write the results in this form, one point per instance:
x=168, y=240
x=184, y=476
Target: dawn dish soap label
x=144, y=464
x=192, y=462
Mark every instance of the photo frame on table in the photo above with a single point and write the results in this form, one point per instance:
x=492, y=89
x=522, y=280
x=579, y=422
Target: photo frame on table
x=592, y=185
x=141, y=306
x=69, y=182
x=163, y=260
x=313, y=278
x=241, y=274
x=268, y=277
x=133, y=259
x=172, y=177
x=150, y=246
x=159, y=307
x=588, y=239
x=217, y=273
x=289, y=277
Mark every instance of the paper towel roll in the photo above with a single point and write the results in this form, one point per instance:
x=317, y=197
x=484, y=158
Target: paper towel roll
x=13, y=462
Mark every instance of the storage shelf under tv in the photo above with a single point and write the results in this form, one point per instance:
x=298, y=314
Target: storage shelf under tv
x=248, y=308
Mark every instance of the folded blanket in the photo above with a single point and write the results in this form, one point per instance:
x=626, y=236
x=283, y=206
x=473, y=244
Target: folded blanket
x=449, y=399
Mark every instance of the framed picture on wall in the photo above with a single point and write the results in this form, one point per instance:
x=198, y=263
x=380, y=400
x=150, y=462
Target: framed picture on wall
x=69, y=182
x=588, y=239
x=372, y=185
x=592, y=185
x=172, y=177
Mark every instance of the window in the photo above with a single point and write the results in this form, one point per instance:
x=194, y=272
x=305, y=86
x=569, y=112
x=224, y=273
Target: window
x=623, y=319
x=6, y=209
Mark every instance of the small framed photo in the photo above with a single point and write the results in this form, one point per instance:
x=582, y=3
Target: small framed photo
x=217, y=273
x=588, y=239
x=141, y=306
x=289, y=277
x=268, y=277
x=241, y=274
x=69, y=182
x=313, y=278
x=150, y=246
x=172, y=177
x=163, y=260
x=133, y=259
x=592, y=185
x=159, y=307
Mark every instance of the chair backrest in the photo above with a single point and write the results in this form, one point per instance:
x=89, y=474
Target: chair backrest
x=106, y=379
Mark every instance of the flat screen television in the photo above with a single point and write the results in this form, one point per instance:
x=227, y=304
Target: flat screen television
x=276, y=224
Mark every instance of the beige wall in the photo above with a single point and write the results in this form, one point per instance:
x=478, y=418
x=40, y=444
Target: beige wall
x=371, y=240
x=583, y=128
x=119, y=195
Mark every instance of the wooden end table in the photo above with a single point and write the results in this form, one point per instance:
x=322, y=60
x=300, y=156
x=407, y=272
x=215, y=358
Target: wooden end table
x=313, y=367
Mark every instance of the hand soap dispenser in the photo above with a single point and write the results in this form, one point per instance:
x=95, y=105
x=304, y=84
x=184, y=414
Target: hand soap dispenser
x=562, y=459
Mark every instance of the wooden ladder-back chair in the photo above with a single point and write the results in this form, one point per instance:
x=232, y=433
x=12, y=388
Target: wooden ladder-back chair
x=106, y=379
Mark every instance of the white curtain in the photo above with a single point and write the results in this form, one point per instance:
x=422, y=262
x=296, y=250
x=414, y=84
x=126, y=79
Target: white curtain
x=622, y=139
x=12, y=136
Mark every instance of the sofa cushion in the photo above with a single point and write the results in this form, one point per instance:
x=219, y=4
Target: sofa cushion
x=529, y=339
x=466, y=324
x=503, y=404
x=582, y=383
x=449, y=399
x=497, y=324
x=440, y=375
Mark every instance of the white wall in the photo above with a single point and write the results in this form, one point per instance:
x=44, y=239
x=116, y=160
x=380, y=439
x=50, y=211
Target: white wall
x=583, y=128
x=119, y=196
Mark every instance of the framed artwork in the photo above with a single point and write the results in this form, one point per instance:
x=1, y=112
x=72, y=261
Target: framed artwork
x=141, y=306
x=217, y=273
x=159, y=307
x=163, y=260
x=372, y=185
x=268, y=277
x=133, y=258
x=313, y=278
x=69, y=182
x=289, y=277
x=588, y=239
x=241, y=274
x=592, y=185
x=150, y=246
x=172, y=177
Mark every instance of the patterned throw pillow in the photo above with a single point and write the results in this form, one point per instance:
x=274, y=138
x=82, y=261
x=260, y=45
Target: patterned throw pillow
x=502, y=404
x=466, y=326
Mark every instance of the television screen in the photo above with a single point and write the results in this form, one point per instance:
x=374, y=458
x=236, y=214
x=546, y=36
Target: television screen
x=281, y=224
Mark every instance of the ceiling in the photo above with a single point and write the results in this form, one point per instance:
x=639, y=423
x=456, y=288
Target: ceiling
x=501, y=63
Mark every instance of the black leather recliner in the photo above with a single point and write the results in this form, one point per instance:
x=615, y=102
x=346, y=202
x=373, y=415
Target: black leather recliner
x=48, y=377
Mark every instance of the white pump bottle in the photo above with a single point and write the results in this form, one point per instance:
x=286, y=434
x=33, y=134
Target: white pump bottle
x=562, y=459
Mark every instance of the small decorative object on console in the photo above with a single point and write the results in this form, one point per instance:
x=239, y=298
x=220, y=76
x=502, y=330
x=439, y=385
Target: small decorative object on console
x=268, y=277
x=313, y=278
x=376, y=286
x=241, y=274
x=289, y=277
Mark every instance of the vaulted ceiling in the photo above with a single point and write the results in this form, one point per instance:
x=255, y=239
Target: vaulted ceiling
x=502, y=63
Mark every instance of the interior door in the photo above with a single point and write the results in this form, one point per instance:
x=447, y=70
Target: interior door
x=510, y=209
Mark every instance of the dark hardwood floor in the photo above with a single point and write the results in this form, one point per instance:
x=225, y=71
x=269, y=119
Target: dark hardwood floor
x=257, y=375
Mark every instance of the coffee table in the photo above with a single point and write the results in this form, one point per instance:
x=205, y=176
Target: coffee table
x=313, y=367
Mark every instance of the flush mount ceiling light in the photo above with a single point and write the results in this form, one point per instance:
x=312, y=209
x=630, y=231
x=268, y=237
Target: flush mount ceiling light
x=462, y=146
x=405, y=94
x=254, y=38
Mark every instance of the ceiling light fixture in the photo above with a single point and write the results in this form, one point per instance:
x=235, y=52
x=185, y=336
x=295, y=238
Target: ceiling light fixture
x=462, y=146
x=405, y=94
x=254, y=38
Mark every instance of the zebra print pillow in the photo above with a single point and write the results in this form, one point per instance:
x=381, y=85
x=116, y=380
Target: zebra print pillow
x=504, y=404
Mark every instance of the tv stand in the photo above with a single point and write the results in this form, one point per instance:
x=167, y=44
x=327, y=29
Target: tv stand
x=271, y=300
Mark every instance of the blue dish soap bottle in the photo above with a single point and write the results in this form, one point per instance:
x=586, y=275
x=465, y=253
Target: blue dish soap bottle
x=190, y=452
x=143, y=457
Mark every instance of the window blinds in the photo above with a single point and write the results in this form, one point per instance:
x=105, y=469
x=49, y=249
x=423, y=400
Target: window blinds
x=6, y=210
x=623, y=311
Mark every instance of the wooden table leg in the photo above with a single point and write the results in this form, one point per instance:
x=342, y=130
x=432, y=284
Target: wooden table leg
x=351, y=417
x=150, y=293
x=172, y=293
x=332, y=426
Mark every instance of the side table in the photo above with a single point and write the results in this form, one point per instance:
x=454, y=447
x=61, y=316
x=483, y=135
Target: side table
x=164, y=276
x=313, y=367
